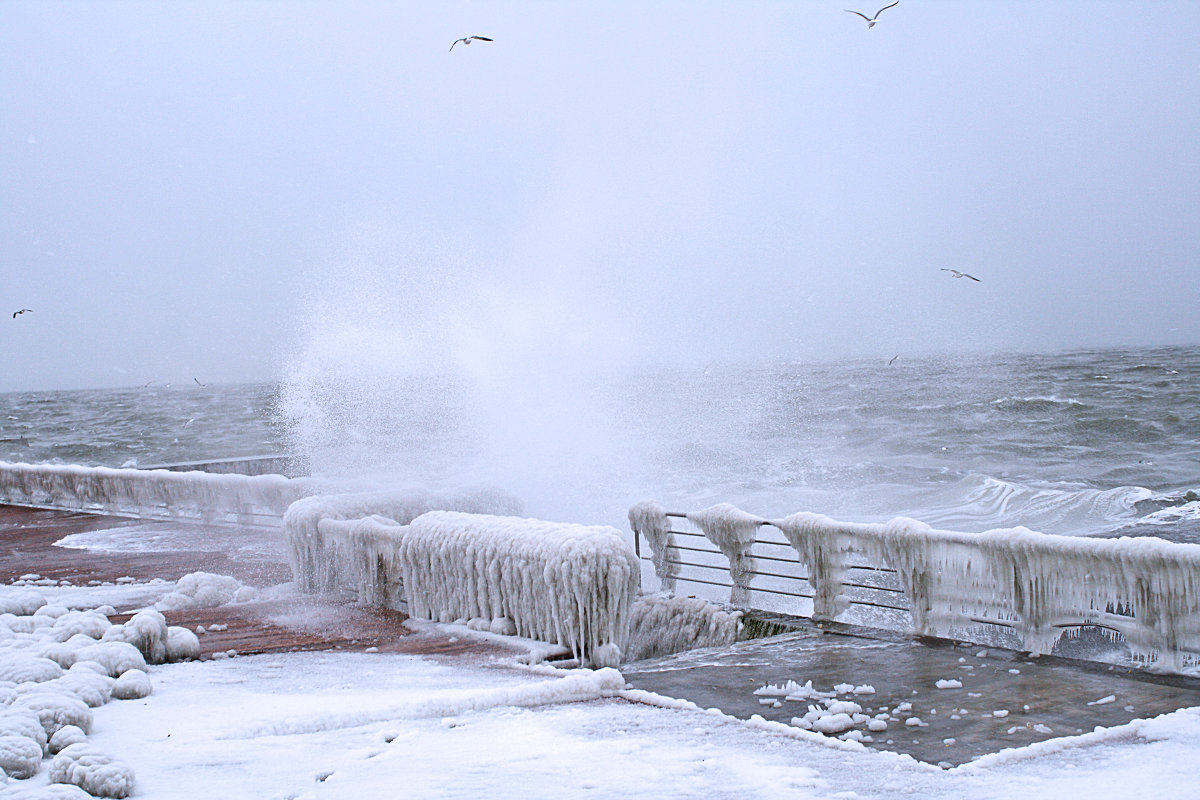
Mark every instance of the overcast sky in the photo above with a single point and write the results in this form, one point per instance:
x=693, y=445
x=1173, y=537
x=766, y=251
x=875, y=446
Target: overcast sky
x=217, y=189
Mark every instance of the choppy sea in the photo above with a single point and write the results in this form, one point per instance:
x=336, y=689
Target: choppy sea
x=1092, y=442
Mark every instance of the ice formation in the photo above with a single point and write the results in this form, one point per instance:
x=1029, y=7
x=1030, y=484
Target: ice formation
x=1035, y=585
x=56, y=665
x=92, y=770
x=316, y=569
x=733, y=532
x=660, y=626
x=649, y=519
x=567, y=584
x=205, y=590
x=155, y=494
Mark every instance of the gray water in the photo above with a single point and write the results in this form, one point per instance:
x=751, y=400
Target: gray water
x=1082, y=443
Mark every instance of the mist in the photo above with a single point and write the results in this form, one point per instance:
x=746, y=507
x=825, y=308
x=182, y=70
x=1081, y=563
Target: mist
x=238, y=191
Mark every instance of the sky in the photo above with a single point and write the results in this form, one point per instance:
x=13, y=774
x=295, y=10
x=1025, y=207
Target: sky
x=224, y=190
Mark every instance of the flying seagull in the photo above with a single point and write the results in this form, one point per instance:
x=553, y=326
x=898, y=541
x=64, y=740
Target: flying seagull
x=893, y=361
x=958, y=274
x=22, y=311
x=467, y=39
x=198, y=383
x=872, y=20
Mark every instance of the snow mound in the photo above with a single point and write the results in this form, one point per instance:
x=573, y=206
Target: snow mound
x=205, y=590
x=89, y=623
x=114, y=657
x=64, y=737
x=132, y=685
x=145, y=630
x=182, y=644
x=96, y=772
x=20, y=602
x=22, y=667
x=92, y=688
x=56, y=708
x=23, y=722
x=54, y=791
x=20, y=756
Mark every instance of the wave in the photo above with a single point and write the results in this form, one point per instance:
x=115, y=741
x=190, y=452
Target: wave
x=981, y=502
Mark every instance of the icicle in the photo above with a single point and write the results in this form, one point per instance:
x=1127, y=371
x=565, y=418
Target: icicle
x=663, y=625
x=649, y=519
x=733, y=532
x=566, y=584
x=818, y=541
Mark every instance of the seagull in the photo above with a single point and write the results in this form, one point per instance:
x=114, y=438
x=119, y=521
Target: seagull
x=198, y=383
x=958, y=274
x=467, y=39
x=22, y=311
x=872, y=20
x=893, y=361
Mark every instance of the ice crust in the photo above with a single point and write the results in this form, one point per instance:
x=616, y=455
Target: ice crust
x=1036, y=585
x=649, y=519
x=155, y=494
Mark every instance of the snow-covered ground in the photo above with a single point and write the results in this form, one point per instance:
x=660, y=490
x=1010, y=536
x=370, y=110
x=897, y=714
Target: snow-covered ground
x=337, y=725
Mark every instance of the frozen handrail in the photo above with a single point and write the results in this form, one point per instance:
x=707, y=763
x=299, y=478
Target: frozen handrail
x=258, y=500
x=1037, y=585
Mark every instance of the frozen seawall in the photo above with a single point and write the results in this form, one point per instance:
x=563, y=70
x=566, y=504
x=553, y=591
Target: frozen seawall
x=1036, y=587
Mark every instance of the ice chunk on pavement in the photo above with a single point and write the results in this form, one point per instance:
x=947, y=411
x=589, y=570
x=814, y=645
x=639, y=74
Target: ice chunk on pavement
x=949, y=684
x=1000, y=713
x=833, y=723
x=1103, y=701
x=132, y=685
x=92, y=770
x=66, y=736
x=20, y=756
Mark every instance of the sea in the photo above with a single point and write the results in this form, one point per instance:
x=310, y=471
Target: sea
x=1100, y=442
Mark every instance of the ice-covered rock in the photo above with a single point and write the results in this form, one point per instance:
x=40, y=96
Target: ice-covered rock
x=55, y=708
x=205, y=590
x=132, y=685
x=114, y=657
x=22, y=667
x=66, y=736
x=182, y=644
x=23, y=722
x=20, y=602
x=92, y=770
x=20, y=756
x=145, y=630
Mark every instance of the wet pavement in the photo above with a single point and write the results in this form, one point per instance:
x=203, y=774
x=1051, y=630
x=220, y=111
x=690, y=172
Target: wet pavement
x=994, y=699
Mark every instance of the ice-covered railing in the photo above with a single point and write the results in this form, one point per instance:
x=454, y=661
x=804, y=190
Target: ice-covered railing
x=1037, y=586
x=571, y=585
x=317, y=551
x=154, y=494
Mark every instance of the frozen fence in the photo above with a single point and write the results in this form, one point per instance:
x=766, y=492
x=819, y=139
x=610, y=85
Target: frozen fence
x=1036, y=586
x=571, y=585
x=318, y=549
x=259, y=500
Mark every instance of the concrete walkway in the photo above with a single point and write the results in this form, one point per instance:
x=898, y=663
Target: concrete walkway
x=1005, y=699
